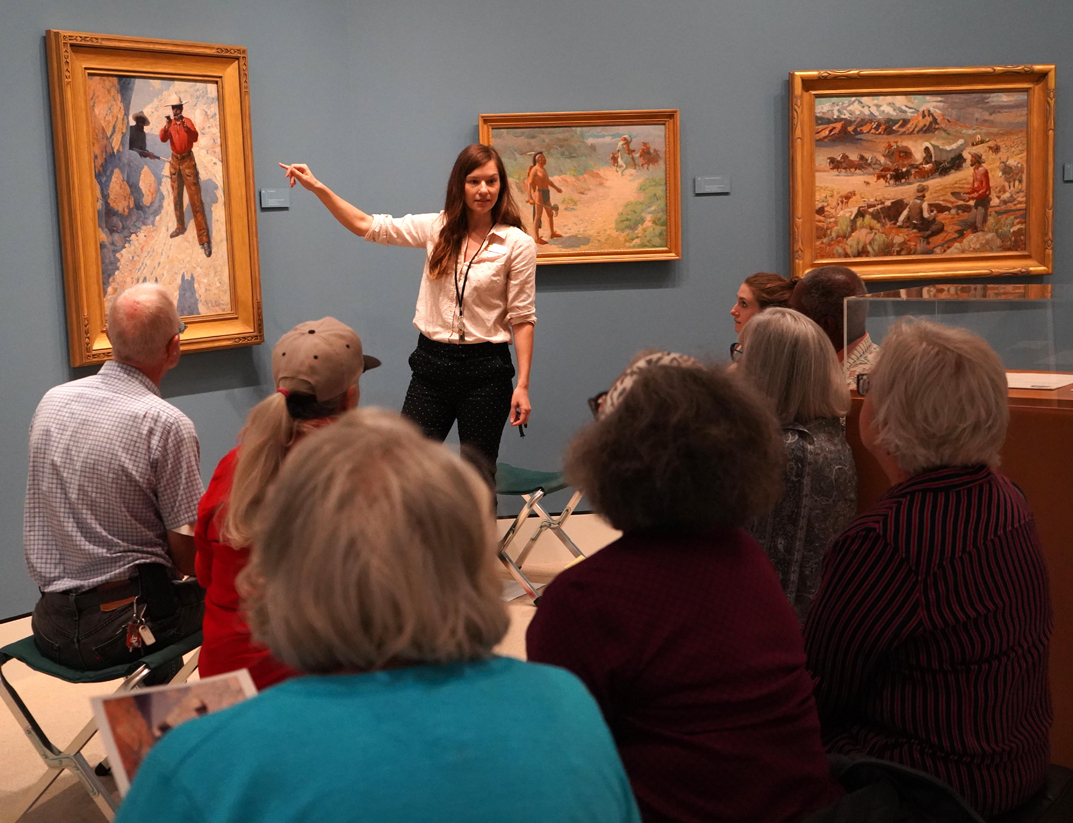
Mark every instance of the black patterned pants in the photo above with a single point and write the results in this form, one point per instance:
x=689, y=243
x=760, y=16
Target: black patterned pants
x=468, y=383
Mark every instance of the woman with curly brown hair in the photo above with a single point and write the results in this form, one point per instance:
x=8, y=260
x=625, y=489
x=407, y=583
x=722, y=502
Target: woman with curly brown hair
x=477, y=292
x=680, y=628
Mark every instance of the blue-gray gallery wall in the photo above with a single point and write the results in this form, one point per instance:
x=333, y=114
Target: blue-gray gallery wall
x=378, y=97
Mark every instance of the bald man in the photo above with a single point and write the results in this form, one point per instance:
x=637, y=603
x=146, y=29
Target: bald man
x=111, y=499
x=820, y=295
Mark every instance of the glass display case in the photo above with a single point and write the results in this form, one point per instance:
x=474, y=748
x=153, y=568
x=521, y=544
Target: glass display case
x=1032, y=333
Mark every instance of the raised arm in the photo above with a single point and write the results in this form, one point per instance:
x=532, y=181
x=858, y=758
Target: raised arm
x=348, y=215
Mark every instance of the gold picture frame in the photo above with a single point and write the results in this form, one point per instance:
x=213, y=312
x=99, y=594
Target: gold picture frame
x=119, y=214
x=616, y=176
x=866, y=144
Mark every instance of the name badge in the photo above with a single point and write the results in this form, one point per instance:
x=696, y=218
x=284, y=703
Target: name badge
x=497, y=249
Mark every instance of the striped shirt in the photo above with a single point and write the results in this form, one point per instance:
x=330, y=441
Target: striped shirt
x=928, y=637
x=113, y=468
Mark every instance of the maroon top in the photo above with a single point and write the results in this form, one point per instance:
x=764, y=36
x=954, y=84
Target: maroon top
x=695, y=656
x=928, y=636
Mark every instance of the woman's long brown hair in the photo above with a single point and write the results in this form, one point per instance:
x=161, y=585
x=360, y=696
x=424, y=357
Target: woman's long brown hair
x=445, y=253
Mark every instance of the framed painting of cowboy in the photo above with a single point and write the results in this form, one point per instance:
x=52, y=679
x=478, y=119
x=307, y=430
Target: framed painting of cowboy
x=939, y=172
x=593, y=187
x=154, y=170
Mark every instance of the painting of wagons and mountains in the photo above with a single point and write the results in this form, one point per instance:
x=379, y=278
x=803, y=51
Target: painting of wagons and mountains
x=589, y=188
x=895, y=174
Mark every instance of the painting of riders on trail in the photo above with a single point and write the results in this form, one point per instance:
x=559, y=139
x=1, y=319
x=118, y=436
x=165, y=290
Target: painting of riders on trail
x=920, y=174
x=591, y=192
x=932, y=172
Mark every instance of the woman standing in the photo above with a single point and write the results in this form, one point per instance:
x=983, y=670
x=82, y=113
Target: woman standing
x=477, y=292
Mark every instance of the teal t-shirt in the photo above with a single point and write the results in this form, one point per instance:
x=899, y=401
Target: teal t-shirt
x=491, y=740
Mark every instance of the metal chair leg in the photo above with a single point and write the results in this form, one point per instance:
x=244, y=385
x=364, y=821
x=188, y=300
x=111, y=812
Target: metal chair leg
x=189, y=667
x=523, y=515
x=554, y=525
x=101, y=796
x=541, y=526
x=518, y=575
x=560, y=522
x=55, y=760
x=71, y=758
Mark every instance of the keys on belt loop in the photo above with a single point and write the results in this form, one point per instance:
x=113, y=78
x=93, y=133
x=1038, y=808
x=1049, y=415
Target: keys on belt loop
x=138, y=632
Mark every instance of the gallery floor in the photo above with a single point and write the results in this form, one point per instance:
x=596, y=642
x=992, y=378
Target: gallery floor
x=63, y=708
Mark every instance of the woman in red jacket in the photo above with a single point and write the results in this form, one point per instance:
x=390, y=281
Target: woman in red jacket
x=315, y=367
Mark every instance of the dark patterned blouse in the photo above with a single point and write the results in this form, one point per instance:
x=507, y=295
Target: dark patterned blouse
x=819, y=500
x=928, y=638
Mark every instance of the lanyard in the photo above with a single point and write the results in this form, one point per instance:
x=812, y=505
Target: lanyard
x=460, y=294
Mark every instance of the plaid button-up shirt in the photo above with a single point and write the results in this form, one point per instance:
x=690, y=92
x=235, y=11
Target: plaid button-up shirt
x=113, y=467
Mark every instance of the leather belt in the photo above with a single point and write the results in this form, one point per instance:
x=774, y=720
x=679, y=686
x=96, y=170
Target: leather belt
x=108, y=596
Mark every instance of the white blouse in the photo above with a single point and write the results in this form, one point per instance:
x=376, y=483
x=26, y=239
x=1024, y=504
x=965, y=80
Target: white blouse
x=501, y=288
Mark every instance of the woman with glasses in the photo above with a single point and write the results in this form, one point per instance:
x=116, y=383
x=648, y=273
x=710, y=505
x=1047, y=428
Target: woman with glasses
x=679, y=628
x=789, y=359
x=928, y=637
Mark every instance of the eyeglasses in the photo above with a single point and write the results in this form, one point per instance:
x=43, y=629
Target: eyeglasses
x=864, y=383
x=182, y=327
x=596, y=402
x=735, y=351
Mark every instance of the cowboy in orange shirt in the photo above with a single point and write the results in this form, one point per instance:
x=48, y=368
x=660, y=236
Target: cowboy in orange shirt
x=182, y=170
x=980, y=193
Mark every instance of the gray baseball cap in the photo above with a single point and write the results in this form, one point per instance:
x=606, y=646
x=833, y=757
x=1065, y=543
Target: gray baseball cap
x=322, y=357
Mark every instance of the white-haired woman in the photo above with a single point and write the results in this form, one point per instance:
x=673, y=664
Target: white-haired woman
x=374, y=571
x=789, y=359
x=928, y=636
x=316, y=367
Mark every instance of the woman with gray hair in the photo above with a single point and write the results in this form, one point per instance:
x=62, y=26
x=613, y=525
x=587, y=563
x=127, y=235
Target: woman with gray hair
x=928, y=637
x=680, y=629
x=789, y=359
x=373, y=570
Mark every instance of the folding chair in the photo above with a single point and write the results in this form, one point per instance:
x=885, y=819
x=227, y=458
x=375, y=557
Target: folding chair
x=532, y=487
x=71, y=757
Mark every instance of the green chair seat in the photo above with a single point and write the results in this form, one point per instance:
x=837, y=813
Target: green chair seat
x=26, y=651
x=512, y=480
